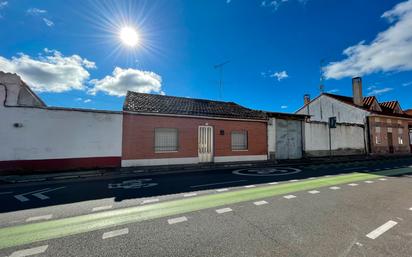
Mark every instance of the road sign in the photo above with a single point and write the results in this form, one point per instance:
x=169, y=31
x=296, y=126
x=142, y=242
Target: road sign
x=133, y=184
x=37, y=193
x=259, y=172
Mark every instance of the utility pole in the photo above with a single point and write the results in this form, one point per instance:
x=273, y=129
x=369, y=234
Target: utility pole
x=220, y=68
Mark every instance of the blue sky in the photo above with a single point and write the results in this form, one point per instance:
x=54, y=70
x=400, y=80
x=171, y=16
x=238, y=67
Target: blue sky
x=71, y=54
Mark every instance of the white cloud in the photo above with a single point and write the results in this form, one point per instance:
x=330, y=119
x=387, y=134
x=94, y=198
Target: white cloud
x=123, y=80
x=48, y=22
x=333, y=91
x=87, y=100
x=380, y=91
x=391, y=50
x=275, y=4
x=51, y=71
x=280, y=75
x=283, y=107
x=3, y=4
x=35, y=11
x=407, y=84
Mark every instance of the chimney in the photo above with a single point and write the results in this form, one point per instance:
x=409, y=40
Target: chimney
x=306, y=99
x=357, y=91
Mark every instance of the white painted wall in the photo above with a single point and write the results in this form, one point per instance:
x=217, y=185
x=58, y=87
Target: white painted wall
x=324, y=107
x=48, y=133
x=344, y=138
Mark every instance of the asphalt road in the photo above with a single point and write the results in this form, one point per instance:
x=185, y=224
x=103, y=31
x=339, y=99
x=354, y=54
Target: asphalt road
x=319, y=210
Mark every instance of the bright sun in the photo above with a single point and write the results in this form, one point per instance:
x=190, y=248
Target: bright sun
x=129, y=36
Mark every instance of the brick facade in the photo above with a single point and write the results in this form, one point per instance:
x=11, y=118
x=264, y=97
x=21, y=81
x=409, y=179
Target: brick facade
x=380, y=127
x=138, y=136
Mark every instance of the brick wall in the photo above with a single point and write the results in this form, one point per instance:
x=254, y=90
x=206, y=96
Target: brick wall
x=379, y=128
x=138, y=136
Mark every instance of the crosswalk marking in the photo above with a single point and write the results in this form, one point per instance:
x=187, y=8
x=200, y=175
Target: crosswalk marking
x=382, y=229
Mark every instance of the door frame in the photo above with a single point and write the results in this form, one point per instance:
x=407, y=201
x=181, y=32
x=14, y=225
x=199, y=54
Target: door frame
x=211, y=141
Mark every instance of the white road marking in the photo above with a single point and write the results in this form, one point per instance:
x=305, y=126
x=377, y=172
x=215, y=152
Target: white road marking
x=220, y=183
x=273, y=183
x=43, y=217
x=289, y=196
x=294, y=180
x=222, y=190
x=383, y=179
x=313, y=192
x=311, y=178
x=22, y=198
x=368, y=182
x=353, y=184
x=176, y=220
x=41, y=195
x=102, y=208
x=115, y=233
x=150, y=201
x=250, y=186
x=223, y=210
x=29, y=252
x=5, y=193
x=382, y=229
x=334, y=188
x=189, y=194
x=260, y=203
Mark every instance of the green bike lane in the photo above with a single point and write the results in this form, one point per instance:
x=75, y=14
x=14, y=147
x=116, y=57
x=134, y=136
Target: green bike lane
x=30, y=233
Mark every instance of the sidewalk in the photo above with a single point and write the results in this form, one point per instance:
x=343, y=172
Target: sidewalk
x=174, y=169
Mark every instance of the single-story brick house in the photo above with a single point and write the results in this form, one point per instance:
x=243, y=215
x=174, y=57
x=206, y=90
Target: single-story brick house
x=162, y=130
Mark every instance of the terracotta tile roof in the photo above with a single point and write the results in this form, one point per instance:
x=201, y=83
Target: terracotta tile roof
x=367, y=101
x=160, y=104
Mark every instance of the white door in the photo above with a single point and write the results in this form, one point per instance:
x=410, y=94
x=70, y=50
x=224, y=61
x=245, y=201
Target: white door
x=205, y=142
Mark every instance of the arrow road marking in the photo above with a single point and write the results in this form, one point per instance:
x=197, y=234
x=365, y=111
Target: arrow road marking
x=41, y=195
x=36, y=193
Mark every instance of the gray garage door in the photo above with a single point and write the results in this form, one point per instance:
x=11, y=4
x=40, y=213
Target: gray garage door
x=288, y=139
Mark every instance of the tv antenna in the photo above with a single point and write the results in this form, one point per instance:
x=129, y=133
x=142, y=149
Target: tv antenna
x=220, y=68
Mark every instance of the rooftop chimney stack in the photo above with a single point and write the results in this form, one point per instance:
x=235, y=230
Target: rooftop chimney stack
x=357, y=91
x=306, y=99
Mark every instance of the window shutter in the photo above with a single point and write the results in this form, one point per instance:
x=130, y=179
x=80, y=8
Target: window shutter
x=239, y=140
x=166, y=139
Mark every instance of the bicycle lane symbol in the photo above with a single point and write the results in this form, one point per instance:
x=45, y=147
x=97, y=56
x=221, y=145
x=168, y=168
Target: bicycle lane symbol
x=281, y=171
x=133, y=184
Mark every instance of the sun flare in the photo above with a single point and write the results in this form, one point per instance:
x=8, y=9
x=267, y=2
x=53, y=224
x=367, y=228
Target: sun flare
x=129, y=37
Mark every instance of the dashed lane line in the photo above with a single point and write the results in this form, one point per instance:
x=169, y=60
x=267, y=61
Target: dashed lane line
x=223, y=210
x=289, y=196
x=334, y=188
x=313, y=192
x=189, y=194
x=150, y=201
x=273, y=183
x=260, y=203
x=353, y=184
x=382, y=229
x=383, y=179
x=219, y=183
x=368, y=181
x=114, y=233
x=37, y=218
x=249, y=186
x=222, y=190
x=5, y=193
x=102, y=208
x=30, y=251
x=294, y=180
x=176, y=220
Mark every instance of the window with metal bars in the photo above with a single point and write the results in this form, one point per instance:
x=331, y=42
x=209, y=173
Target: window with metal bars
x=166, y=140
x=239, y=140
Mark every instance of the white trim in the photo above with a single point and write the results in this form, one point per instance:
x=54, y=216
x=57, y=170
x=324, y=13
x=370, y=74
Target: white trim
x=159, y=161
x=241, y=158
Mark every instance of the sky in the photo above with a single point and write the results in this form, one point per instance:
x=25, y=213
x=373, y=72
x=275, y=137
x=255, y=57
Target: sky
x=273, y=52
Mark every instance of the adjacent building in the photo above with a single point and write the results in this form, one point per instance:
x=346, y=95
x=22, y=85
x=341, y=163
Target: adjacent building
x=383, y=128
